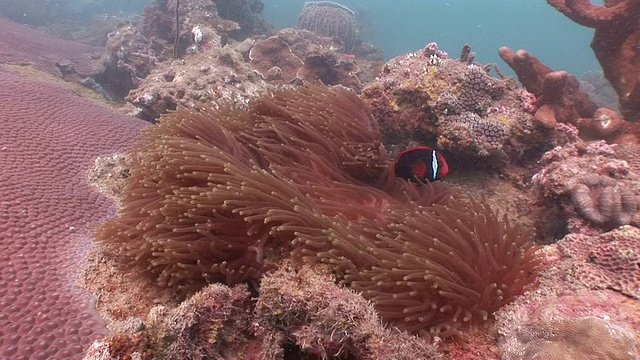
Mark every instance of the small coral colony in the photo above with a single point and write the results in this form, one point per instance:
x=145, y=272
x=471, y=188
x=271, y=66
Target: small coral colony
x=302, y=147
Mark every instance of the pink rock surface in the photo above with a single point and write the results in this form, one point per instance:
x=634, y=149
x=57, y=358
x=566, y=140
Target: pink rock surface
x=49, y=139
x=20, y=44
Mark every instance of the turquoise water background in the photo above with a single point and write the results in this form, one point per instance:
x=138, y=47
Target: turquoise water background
x=403, y=26
x=407, y=25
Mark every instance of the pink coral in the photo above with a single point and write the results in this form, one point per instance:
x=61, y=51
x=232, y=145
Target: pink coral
x=608, y=260
x=595, y=187
x=24, y=45
x=325, y=320
x=574, y=339
x=49, y=139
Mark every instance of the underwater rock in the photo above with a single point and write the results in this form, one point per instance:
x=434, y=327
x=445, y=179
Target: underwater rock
x=579, y=307
x=596, y=188
x=426, y=97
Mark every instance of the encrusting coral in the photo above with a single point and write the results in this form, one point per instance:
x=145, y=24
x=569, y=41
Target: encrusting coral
x=426, y=97
x=214, y=193
x=609, y=260
x=572, y=339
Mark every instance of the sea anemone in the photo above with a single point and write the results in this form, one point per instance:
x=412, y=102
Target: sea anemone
x=437, y=269
x=210, y=189
x=213, y=192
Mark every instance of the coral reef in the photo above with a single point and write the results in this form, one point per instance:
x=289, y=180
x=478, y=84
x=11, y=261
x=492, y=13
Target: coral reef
x=129, y=59
x=616, y=44
x=323, y=59
x=194, y=81
x=297, y=313
x=428, y=98
x=50, y=137
x=630, y=153
x=248, y=15
x=273, y=59
x=325, y=320
x=592, y=183
x=140, y=61
x=158, y=21
x=574, y=339
x=574, y=313
x=294, y=55
x=212, y=324
x=327, y=18
x=26, y=46
x=559, y=99
x=292, y=172
x=606, y=261
x=289, y=56
x=194, y=17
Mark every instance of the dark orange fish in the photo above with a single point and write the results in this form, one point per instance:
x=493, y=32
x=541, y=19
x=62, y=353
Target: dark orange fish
x=420, y=164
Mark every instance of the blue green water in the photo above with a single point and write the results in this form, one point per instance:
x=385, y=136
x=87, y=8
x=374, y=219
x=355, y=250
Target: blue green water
x=407, y=25
x=401, y=26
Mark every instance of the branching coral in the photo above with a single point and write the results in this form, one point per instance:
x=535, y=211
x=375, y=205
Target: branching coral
x=213, y=193
x=616, y=44
x=559, y=98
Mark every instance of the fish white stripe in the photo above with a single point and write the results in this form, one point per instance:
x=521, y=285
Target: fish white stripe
x=434, y=165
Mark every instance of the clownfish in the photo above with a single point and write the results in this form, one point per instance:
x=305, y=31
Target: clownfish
x=420, y=163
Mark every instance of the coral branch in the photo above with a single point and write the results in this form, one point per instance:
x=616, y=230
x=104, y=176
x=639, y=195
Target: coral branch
x=616, y=44
x=559, y=97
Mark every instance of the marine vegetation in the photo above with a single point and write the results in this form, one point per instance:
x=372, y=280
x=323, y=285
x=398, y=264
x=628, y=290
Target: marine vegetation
x=218, y=194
